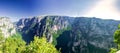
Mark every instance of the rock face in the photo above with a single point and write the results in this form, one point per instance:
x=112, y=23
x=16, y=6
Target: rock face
x=86, y=35
x=6, y=27
x=42, y=26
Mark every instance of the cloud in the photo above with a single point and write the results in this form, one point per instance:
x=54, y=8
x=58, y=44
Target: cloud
x=105, y=9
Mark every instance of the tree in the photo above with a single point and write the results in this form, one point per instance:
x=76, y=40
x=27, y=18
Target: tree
x=116, y=40
x=1, y=40
x=14, y=45
x=113, y=50
x=40, y=45
x=117, y=36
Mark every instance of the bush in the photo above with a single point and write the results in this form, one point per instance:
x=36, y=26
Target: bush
x=40, y=45
x=15, y=44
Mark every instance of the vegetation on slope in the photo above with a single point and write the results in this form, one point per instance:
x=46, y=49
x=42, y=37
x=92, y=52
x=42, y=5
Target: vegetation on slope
x=58, y=33
x=15, y=44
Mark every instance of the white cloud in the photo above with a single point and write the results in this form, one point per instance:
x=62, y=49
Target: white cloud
x=104, y=9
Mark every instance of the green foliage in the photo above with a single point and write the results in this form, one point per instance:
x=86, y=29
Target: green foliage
x=0, y=32
x=1, y=39
x=117, y=35
x=17, y=35
x=40, y=45
x=116, y=40
x=55, y=35
x=49, y=21
x=113, y=50
x=59, y=32
x=119, y=26
x=1, y=36
x=15, y=44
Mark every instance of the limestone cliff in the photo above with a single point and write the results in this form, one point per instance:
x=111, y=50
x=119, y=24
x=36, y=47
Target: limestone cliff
x=6, y=27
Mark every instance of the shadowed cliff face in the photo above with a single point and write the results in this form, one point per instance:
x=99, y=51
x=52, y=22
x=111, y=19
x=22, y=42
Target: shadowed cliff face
x=42, y=26
x=85, y=35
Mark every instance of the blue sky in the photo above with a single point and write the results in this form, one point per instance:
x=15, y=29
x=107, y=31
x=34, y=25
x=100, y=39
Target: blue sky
x=16, y=9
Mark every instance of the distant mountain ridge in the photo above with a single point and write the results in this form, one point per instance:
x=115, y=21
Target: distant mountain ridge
x=71, y=34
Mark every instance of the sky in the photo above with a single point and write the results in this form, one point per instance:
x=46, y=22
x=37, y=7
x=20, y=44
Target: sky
x=16, y=9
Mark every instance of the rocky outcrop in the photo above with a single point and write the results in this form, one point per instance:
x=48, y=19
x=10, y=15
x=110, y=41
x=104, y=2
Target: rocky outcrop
x=6, y=27
x=86, y=35
x=42, y=26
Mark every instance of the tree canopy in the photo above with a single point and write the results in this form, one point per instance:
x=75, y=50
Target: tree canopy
x=116, y=40
x=15, y=44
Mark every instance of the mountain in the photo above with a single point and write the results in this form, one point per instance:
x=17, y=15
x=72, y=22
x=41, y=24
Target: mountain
x=71, y=34
x=88, y=35
x=40, y=26
x=6, y=27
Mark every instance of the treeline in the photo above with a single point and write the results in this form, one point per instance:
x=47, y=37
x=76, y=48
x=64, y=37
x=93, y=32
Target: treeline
x=15, y=44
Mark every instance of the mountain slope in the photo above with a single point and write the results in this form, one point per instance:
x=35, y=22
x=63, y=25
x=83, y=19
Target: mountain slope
x=71, y=34
x=40, y=26
x=88, y=35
